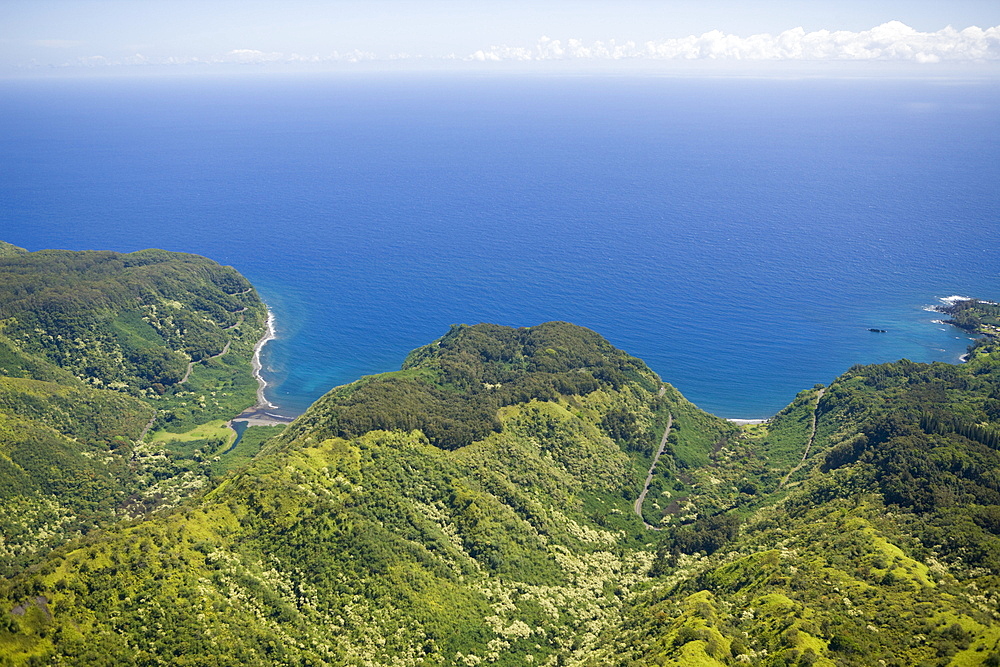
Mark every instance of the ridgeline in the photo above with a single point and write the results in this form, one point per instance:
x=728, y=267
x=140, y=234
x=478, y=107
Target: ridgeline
x=488, y=504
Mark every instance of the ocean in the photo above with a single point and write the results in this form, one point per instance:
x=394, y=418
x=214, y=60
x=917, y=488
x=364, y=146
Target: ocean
x=740, y=235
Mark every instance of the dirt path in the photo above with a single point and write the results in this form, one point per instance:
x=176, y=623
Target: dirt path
x=649, y=478
x=142, y=436
x=187, y=374
x=225, y=350
x=239, y=320
x=809, y=443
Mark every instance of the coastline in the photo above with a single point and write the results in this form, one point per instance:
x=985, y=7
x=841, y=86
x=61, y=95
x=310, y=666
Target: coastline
x=258, y=414
x=972, y=331
x=941, y=307
x=269, y=335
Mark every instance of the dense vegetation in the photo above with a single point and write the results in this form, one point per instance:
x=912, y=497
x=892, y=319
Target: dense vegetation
x=881, y=549
x=974, y=315
x=96, y=348
x=452, y=389
x=477, y=508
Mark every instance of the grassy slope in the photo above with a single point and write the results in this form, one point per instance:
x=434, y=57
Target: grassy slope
x=384, y=547
x=883, y=548
x=508, y=537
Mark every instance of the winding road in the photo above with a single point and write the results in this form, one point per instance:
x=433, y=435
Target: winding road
x=190, y=367
x=649, y=478
x=225, y=350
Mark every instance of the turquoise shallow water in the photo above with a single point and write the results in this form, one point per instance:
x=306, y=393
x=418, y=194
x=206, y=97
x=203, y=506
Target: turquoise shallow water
x=741, y=236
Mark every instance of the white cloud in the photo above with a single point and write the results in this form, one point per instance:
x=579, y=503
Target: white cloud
x=93, y=61
x=57, y=43
x=255, y=57
x=250, y=56
x=890, y=41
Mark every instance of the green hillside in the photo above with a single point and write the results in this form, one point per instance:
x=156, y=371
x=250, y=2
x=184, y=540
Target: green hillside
x=488, y=505
x=97, y=348
x=129, y=322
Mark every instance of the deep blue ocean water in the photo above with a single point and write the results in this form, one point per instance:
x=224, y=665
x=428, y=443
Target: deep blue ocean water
x=740, y=235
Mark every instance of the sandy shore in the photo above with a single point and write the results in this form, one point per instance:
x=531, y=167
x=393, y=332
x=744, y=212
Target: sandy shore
x=261, y=417
x=742, y=422
x=259, y=414
x=269, y=335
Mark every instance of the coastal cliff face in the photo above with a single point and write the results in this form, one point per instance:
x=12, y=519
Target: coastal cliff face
x=479, y=506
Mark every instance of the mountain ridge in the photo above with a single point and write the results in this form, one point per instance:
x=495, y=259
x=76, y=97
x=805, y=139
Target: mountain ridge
x=478, y=506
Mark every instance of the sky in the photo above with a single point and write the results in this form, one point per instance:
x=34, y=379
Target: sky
x=37, y=35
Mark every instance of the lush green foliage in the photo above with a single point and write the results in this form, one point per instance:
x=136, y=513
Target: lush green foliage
x=881, y=547
x=93, y=348
x=476, y=507
x=10, y=250
x=451, y=389
x=385, y=547
x=241, y=452
x=975, y=316
x=128, y=322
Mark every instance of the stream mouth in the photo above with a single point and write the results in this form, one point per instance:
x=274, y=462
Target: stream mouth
x=240, y=427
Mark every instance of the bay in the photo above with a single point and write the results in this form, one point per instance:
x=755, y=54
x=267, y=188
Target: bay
x=740, y=235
